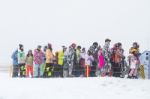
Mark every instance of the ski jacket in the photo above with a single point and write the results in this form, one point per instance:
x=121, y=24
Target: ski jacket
x=15, y=58
x=60, y=58
x=38, y=56
x=21, y=57
x=29, y=60
x=49, y=56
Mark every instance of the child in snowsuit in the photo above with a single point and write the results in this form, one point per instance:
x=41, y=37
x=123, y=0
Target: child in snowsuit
x=135, y=48
x=29, y=64
x=133, y=65
x=21, y=61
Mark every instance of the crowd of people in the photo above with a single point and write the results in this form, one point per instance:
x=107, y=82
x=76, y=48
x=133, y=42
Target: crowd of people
x=76, y=61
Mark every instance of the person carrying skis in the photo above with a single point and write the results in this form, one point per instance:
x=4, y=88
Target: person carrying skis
x=15, y=64
x=21, y=60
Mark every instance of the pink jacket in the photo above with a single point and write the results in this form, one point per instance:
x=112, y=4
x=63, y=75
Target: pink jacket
x=101, y=61
x=38, y=56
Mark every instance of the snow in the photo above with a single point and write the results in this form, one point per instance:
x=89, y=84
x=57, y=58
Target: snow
x=73, y=88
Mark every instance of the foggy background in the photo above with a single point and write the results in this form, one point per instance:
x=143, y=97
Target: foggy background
x=62, y=22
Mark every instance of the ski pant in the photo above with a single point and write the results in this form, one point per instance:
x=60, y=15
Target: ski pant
x=42, y=69
x=37, y=70
x=48, y=70
x=65, y=72
x=116, y=69
x=15, y=71
x=77, y=70
x=71, y=69
x=107, y=68
x=29, y=71
x=22, y=69
x=87, y=71
x=93, y=71
x=133, y=72
x=58, y=71
x=99, y=72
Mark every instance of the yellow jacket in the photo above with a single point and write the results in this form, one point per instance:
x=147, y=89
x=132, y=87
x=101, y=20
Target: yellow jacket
x=60, y=58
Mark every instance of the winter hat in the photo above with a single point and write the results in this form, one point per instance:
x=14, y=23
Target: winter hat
x=119, y=44
x=135, y=43
x=83, y=49
x=73, y=45
x=95, y=44
x=78, y=47
x=64, y=47
x=39, y=47
x=20, y=45
x=107, y=40
x=49, y=45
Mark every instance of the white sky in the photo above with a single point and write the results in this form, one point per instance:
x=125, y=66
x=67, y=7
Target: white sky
x=61, y=22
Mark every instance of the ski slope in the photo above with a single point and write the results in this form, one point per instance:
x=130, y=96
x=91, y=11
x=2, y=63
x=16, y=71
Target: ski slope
x=73, y=88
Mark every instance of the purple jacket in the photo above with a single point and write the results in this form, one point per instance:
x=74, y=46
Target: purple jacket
x=38, y=56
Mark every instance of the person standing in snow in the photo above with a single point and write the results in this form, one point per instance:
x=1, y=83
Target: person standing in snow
x=15, y=63
x=133, y=64
x=77, y=69
x=94, y=51
x=117, y=58
x=82, y=61
x=61, y=61
x=38, y=58
x=49, y=62
x=72, y=60
x=69, y=61
x=101, y=62
x=21, y=60
x=42, y=67
x=88, y=63
x=56, y=70
x=135, y=48
x=29, y=64
x=107, y=55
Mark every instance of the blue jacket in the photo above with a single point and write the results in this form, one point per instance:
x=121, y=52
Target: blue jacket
x=15, y=58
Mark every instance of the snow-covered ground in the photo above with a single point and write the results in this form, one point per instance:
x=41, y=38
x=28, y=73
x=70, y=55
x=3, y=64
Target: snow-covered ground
x=73, y=88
